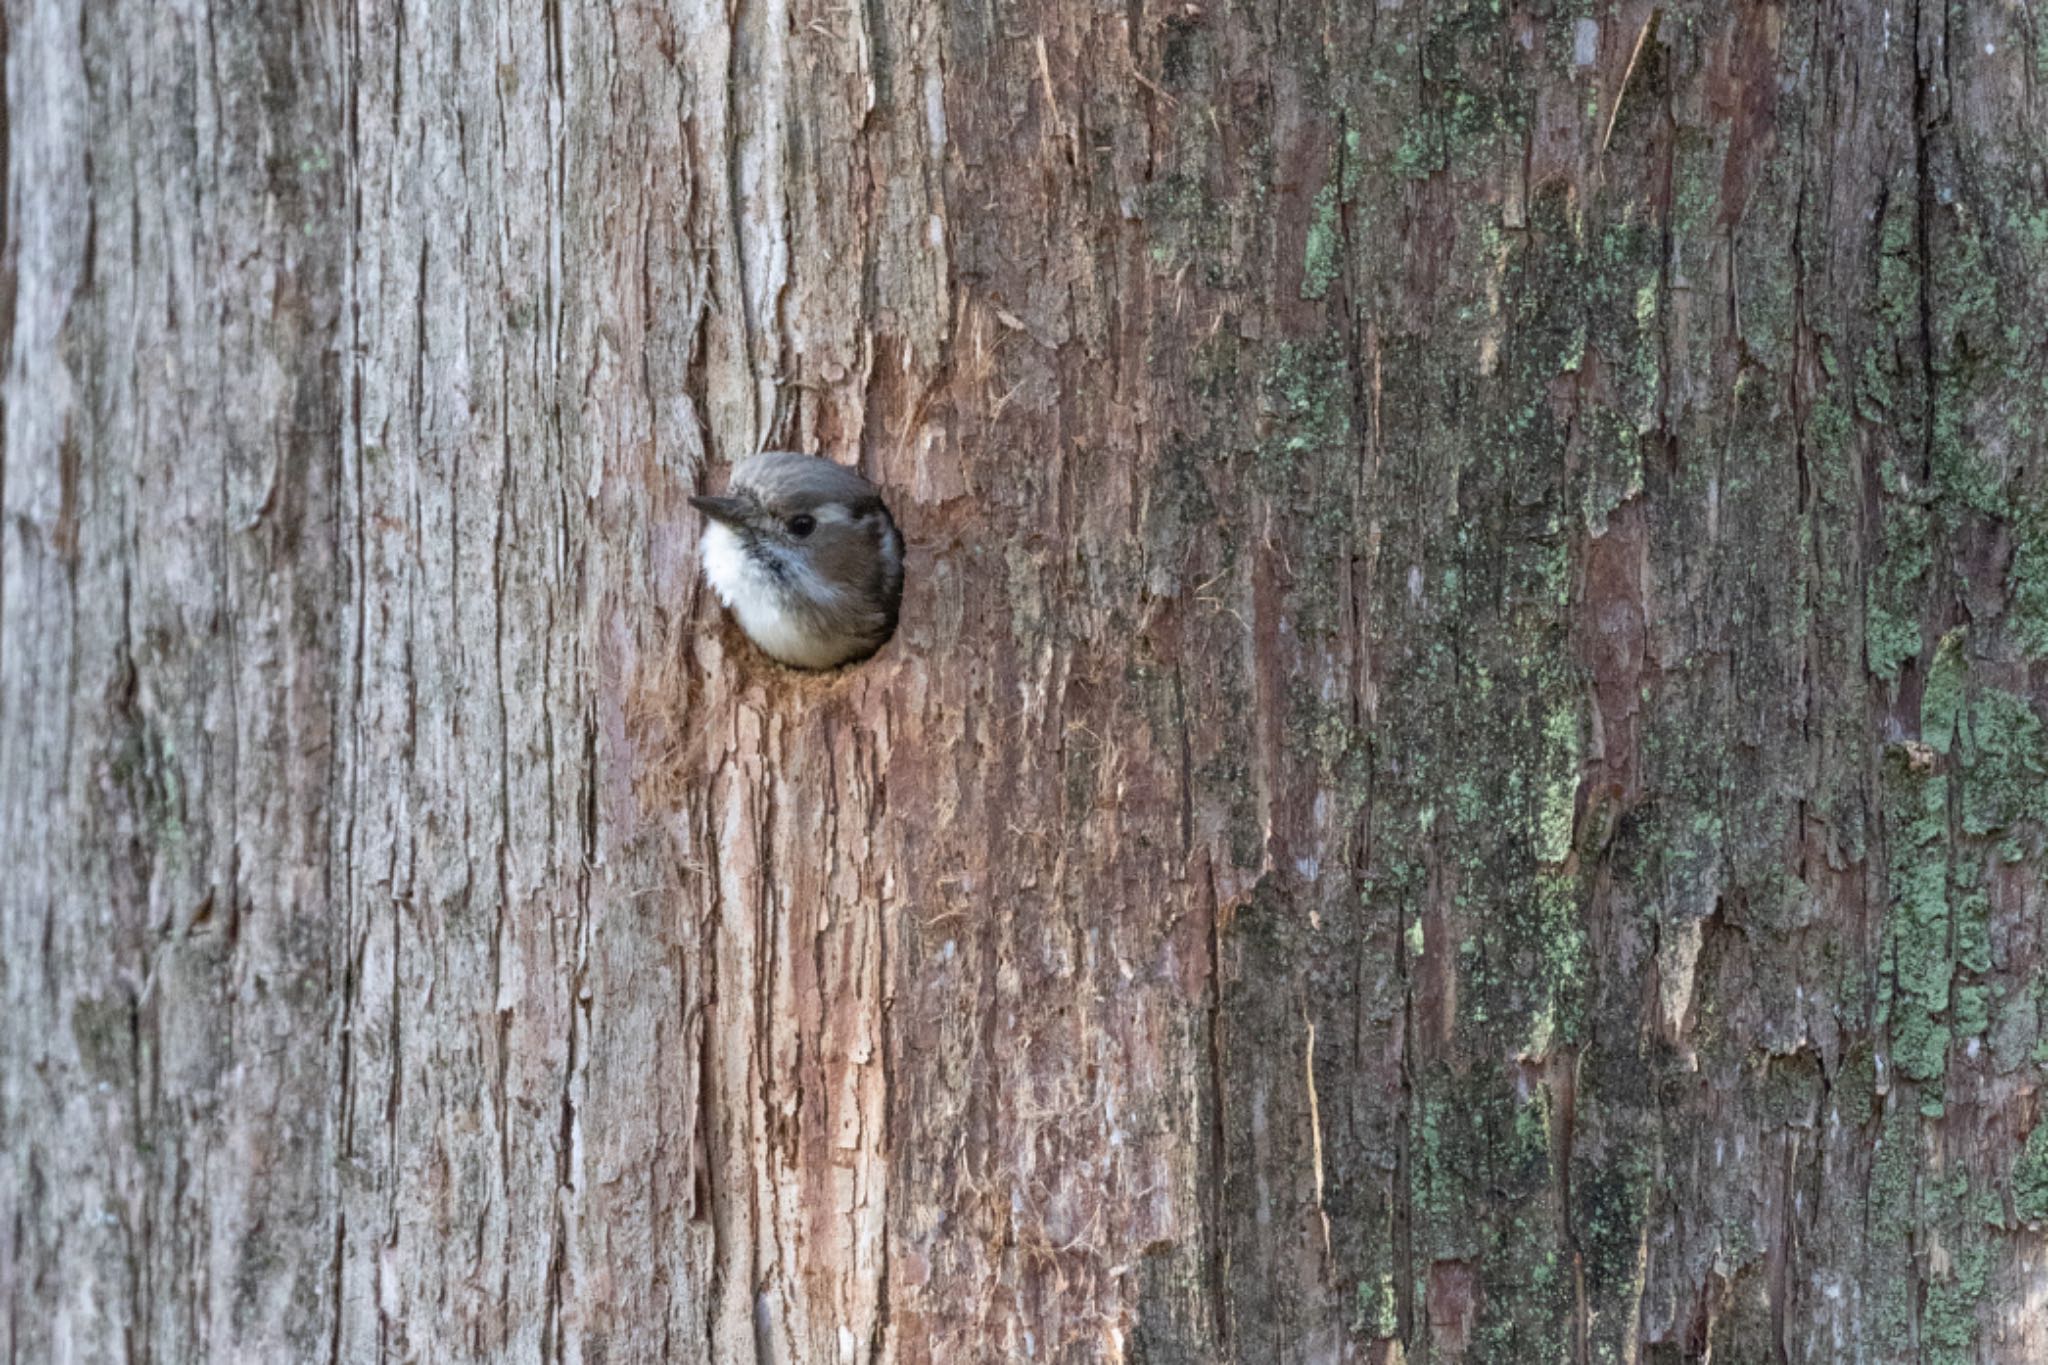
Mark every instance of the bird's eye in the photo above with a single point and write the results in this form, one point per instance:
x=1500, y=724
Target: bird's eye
x=802, y=524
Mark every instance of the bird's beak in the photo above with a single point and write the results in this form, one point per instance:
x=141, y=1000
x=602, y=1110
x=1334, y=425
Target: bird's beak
x=730, y=510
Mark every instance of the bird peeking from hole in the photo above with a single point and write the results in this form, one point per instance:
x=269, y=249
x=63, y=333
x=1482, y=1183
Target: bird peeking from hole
x=803, y=552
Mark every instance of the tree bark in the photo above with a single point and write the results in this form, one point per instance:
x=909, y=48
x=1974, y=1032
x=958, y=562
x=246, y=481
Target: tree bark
x=1463, y=778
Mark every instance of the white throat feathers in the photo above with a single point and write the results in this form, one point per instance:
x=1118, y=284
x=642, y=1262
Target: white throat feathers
x=807, y=559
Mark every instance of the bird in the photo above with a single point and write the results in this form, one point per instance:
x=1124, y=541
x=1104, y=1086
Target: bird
x=805, y=554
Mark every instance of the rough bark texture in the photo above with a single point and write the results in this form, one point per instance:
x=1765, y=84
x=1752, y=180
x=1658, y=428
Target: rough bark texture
x=1464, y=776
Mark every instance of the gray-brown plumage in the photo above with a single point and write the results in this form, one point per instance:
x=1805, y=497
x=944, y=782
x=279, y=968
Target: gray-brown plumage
x=804, y=553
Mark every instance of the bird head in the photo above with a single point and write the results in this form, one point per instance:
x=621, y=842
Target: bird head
x=806, y=555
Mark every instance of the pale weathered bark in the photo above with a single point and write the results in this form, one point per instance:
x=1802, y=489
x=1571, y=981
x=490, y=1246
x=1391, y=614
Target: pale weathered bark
x=1463, y=778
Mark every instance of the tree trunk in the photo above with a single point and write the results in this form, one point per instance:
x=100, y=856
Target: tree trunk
x=1463, y=778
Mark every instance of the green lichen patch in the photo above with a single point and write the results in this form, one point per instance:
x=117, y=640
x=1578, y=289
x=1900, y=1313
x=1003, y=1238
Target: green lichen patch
x=2030, y=1177
x=1323, y=253
x=1914, y=988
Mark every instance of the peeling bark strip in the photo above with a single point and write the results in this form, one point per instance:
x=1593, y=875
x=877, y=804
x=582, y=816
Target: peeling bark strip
x=1463, y=777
